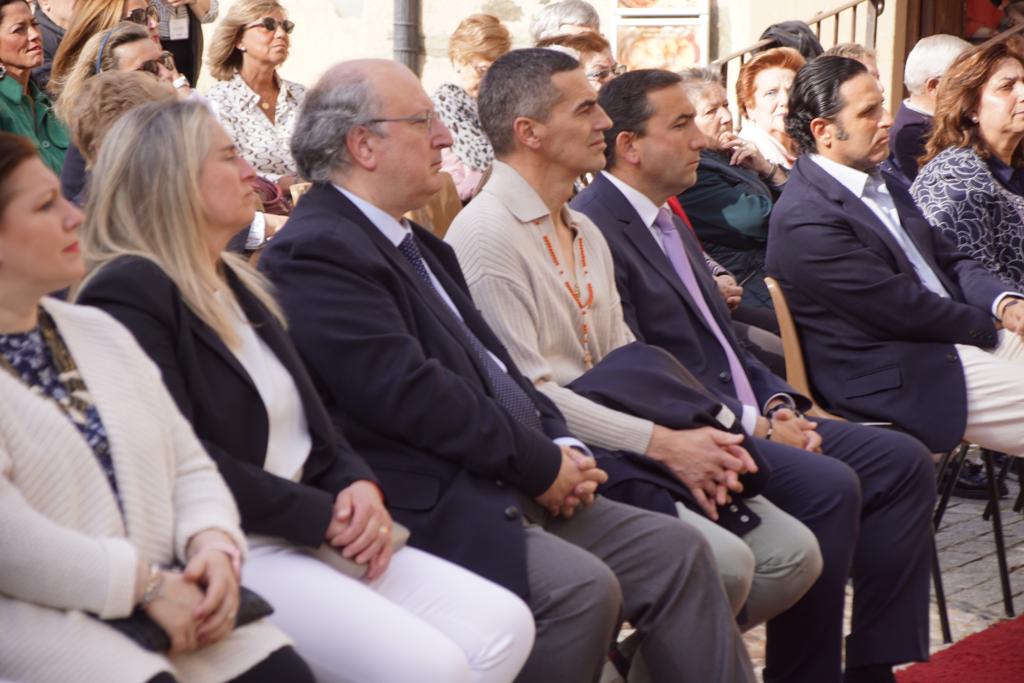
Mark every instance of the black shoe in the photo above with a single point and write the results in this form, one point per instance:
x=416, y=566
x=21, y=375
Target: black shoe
x=876, y=673
x=973, y=483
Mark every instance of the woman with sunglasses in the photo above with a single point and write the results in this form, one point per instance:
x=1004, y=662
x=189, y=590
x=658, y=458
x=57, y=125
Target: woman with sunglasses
x=256, y=106
x=24, y=109
x=93, y=17
x=125, y=47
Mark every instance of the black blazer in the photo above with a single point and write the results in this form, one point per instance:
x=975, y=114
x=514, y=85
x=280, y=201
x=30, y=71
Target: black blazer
x=217, y=396
x=660, y=310
x=397, y=374
x=907, y=139
x=878, y=344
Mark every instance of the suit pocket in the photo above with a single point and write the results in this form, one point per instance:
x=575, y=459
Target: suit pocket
x=877, y=380
x=409, y=490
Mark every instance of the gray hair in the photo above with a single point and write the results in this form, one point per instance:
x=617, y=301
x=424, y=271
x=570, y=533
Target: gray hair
x=342, y=99
x=548, y=20
x=697, y=79
x=519, y=84
x=930, y=58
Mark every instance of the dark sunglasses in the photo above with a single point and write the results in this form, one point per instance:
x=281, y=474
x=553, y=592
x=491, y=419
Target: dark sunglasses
x=143, y=15
x=271, y=24
x=152, y=66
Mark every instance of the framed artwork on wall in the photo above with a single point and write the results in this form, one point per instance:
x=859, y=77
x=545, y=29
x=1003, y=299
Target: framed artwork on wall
x=661, y=34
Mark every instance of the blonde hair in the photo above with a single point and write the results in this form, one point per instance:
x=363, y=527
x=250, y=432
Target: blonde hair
x=223, y=56
x=84, y=68
x=144, y=201
x=107, y=97
x=479, y=35
x=89, y=18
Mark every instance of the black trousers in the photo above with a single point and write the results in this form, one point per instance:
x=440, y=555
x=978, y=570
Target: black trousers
x=868, y=501
x=281, y=665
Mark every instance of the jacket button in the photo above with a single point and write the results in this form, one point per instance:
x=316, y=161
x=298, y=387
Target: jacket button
x=734, y=508
x=952, y=357
x=512, y=512
x=725, y=376
x=744, y=518
x=499, y=483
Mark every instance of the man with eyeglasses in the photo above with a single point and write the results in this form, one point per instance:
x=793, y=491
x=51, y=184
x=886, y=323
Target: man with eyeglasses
x=472, y=458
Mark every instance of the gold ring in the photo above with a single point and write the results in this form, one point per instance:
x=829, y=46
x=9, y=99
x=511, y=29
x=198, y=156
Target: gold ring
x=384, y=530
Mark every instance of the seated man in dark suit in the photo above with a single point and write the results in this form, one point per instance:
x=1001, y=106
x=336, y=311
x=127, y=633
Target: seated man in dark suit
x=913, y=124
x=897, y=323
x=478, y=464
x=669, y=300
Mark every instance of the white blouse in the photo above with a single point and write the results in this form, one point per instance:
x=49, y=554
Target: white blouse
x=265, y=145
x=288, y=440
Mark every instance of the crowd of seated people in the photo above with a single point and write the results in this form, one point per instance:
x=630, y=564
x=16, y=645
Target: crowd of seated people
x=249, y=435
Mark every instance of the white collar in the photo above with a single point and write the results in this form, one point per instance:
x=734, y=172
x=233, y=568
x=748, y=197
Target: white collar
x=853, y=180
x=394, y=231
x=640, y=202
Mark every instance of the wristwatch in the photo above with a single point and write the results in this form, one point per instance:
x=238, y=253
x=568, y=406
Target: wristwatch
x=154, y=584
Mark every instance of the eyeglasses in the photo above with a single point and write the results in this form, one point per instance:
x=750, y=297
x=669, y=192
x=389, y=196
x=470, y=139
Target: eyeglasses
x=601, y=75
x=152, y=66
x=144, y=15
x=271, y=24
x=426, y=119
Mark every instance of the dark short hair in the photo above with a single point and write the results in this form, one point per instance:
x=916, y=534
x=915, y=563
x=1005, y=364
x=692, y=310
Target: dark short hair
x=625, y=101
x=815, y=94
x=519, y=84
x=14, y=151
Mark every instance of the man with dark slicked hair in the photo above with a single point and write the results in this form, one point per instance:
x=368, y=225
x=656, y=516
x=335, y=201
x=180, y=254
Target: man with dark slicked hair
x=868, y=501
x=897, y=323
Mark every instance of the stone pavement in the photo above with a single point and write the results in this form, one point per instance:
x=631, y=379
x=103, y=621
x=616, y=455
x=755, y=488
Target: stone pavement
x=970, y=574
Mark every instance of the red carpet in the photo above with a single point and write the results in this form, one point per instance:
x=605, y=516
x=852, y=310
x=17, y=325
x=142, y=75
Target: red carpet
x=995, y=655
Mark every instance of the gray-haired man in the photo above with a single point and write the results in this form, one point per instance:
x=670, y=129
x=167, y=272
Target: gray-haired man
x=476, y=462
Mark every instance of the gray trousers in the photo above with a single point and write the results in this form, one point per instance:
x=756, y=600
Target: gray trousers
x=612, y=561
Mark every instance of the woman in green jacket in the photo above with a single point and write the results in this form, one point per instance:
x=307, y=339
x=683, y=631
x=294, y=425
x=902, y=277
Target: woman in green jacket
x=25, y=109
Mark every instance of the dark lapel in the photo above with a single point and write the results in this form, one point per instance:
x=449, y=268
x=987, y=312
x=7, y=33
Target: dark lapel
x=857, y=211
x=918, y=229
x=430, y=299
x=212, y=340
x=643, y=240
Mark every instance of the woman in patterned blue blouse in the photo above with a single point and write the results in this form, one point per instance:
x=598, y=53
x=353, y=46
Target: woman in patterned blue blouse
x=972, y=182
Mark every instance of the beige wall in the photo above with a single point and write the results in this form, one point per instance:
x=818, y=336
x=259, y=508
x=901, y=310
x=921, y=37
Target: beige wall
x=333, y=30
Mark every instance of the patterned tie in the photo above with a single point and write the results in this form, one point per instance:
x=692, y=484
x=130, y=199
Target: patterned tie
x=509, y=394
x=676, y=253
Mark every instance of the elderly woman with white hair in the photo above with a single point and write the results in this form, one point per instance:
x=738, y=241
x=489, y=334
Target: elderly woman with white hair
x=322, y=548
x=565, y=17
x=926, y=64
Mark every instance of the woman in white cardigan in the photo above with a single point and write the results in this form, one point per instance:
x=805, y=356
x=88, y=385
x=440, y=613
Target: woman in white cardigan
x=103, y=484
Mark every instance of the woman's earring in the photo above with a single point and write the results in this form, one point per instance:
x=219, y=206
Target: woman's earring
x=241, y=48
x=974, y=118
x=3, y=71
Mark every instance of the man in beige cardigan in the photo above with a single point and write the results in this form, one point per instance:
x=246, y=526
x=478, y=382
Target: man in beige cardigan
x=543, y=277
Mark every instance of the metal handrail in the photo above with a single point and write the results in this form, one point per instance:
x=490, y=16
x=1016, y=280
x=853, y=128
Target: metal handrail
x=874, y=9
x=1019, y=28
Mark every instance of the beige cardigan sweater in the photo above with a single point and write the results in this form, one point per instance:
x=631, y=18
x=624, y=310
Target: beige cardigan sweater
x=499, y=239
x=64, y=548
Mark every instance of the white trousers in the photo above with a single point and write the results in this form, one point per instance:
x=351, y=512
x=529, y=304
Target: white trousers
x=995, y=394
x=424, y=620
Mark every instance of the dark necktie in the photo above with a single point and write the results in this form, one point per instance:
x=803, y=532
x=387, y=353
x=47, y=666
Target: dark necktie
x=509, y=394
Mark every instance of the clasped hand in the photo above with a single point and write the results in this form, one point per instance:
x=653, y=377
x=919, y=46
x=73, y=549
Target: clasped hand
x=793, y=429
x=360, y=527
x=575, y=486
x=706, y=460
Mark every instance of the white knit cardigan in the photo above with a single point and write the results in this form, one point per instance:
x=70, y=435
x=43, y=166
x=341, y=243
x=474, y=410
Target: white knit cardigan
x=64, y=548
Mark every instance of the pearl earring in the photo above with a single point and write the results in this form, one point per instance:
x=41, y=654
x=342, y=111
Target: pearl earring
x=974, y=119
x=241, y=48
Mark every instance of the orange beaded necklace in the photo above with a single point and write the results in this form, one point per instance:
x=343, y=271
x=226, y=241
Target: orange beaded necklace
x=574, y=292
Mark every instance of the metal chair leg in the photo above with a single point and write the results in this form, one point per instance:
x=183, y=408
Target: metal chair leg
x=1019, y=504
x=951, y=467
x=1000, y=481
x=997, y=530
x=940, y=595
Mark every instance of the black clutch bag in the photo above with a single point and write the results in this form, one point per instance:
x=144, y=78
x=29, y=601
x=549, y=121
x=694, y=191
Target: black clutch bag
x=148, y=634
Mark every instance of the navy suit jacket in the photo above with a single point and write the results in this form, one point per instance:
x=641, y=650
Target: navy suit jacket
x=878, y=344
x=401, y=381
x=217, y=396
x=658, y=307
x=907, y=139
